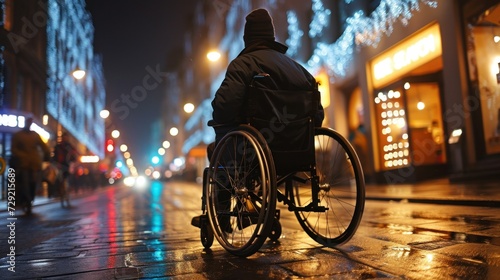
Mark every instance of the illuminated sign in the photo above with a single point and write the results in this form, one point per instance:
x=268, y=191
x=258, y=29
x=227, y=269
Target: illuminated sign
x=407, y=55
x=10, y=120
x=15, y=121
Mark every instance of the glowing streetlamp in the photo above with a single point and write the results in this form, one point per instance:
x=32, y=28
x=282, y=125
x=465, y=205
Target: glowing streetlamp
x=188, y=108
x=174, y=131
x=123, y=148
x=78, y=73
x=213, y=56
x=104, y=114
x=115, y=133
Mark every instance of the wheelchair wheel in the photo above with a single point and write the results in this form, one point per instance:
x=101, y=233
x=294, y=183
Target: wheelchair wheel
x=341, y=190
x=241, y=191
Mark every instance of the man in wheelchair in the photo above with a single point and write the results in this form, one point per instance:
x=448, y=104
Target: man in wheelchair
x=265, y=88
x=270, y=147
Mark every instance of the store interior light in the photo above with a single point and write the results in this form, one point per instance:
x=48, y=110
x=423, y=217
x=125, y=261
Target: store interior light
x=455, y=136
x=420, y=105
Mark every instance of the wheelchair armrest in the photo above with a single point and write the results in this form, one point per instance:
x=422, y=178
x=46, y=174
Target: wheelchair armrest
x=214, y=124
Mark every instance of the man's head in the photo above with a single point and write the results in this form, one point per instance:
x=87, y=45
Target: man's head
x=258, y=26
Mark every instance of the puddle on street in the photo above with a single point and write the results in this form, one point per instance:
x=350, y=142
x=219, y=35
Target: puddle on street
x=446, y=235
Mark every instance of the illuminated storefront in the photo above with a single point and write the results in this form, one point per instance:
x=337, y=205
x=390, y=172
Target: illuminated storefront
x=12, y=121
x=406, y=100
x=483, y=54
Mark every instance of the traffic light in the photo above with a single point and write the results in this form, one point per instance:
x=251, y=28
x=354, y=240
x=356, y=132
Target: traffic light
x=110, y=146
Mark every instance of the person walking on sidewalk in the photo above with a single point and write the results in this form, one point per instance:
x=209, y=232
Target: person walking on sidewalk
x=28, y=153
x=64, y=155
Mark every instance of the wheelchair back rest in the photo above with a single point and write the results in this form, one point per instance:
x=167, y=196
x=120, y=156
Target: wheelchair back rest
x=285, y=119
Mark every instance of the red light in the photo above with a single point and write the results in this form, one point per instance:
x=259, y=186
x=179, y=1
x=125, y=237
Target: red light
x=110, y=145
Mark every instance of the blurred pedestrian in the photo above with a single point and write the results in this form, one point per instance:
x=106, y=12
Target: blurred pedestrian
x=28, y=153
x=64, y=155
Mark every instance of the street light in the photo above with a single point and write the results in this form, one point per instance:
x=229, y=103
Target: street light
x=104, y=114
x=188, y=108
x=213, y=56
x=174, y=131
x=78, y=73
x=123, y=148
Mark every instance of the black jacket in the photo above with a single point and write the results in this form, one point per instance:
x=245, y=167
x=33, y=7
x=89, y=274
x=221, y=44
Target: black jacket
x=260, y=57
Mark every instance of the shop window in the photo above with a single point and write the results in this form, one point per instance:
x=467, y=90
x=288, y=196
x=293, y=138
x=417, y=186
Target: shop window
x=410, y=126
x=358, y=136
x=483, y=50
x=392, y=129
x=425, y=123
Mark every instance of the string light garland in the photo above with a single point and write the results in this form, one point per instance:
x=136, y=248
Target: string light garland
x=293, y=42
x=320, y=19
x=362, y=31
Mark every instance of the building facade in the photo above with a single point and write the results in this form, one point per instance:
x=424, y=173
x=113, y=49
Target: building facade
x=411, y=83
x=42, y=42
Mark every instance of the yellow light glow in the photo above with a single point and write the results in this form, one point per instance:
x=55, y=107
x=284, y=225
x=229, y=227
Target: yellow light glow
x=78, y=74
x=324, y=88
x=407, y=55
x=174, y=131
x=420, y=105
x=188, y=108
x=213, y=56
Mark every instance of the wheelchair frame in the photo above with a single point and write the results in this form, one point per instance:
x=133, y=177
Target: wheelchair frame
x=241, y=187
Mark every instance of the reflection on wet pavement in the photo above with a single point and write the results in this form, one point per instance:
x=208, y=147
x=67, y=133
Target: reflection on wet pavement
x=131, y=234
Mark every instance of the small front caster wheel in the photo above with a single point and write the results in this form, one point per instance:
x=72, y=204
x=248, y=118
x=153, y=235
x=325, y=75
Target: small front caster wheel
x=275, y=233
x=206, y=235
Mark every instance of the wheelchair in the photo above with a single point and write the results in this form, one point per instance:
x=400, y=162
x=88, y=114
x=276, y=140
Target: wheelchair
x=313, y=171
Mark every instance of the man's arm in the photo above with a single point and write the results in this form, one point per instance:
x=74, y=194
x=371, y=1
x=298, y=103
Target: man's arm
x=229, y=99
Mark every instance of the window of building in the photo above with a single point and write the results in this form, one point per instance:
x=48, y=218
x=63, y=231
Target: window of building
x=483, y=51
x=410, y=123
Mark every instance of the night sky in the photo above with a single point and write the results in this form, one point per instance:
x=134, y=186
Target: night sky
x=133, y=36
